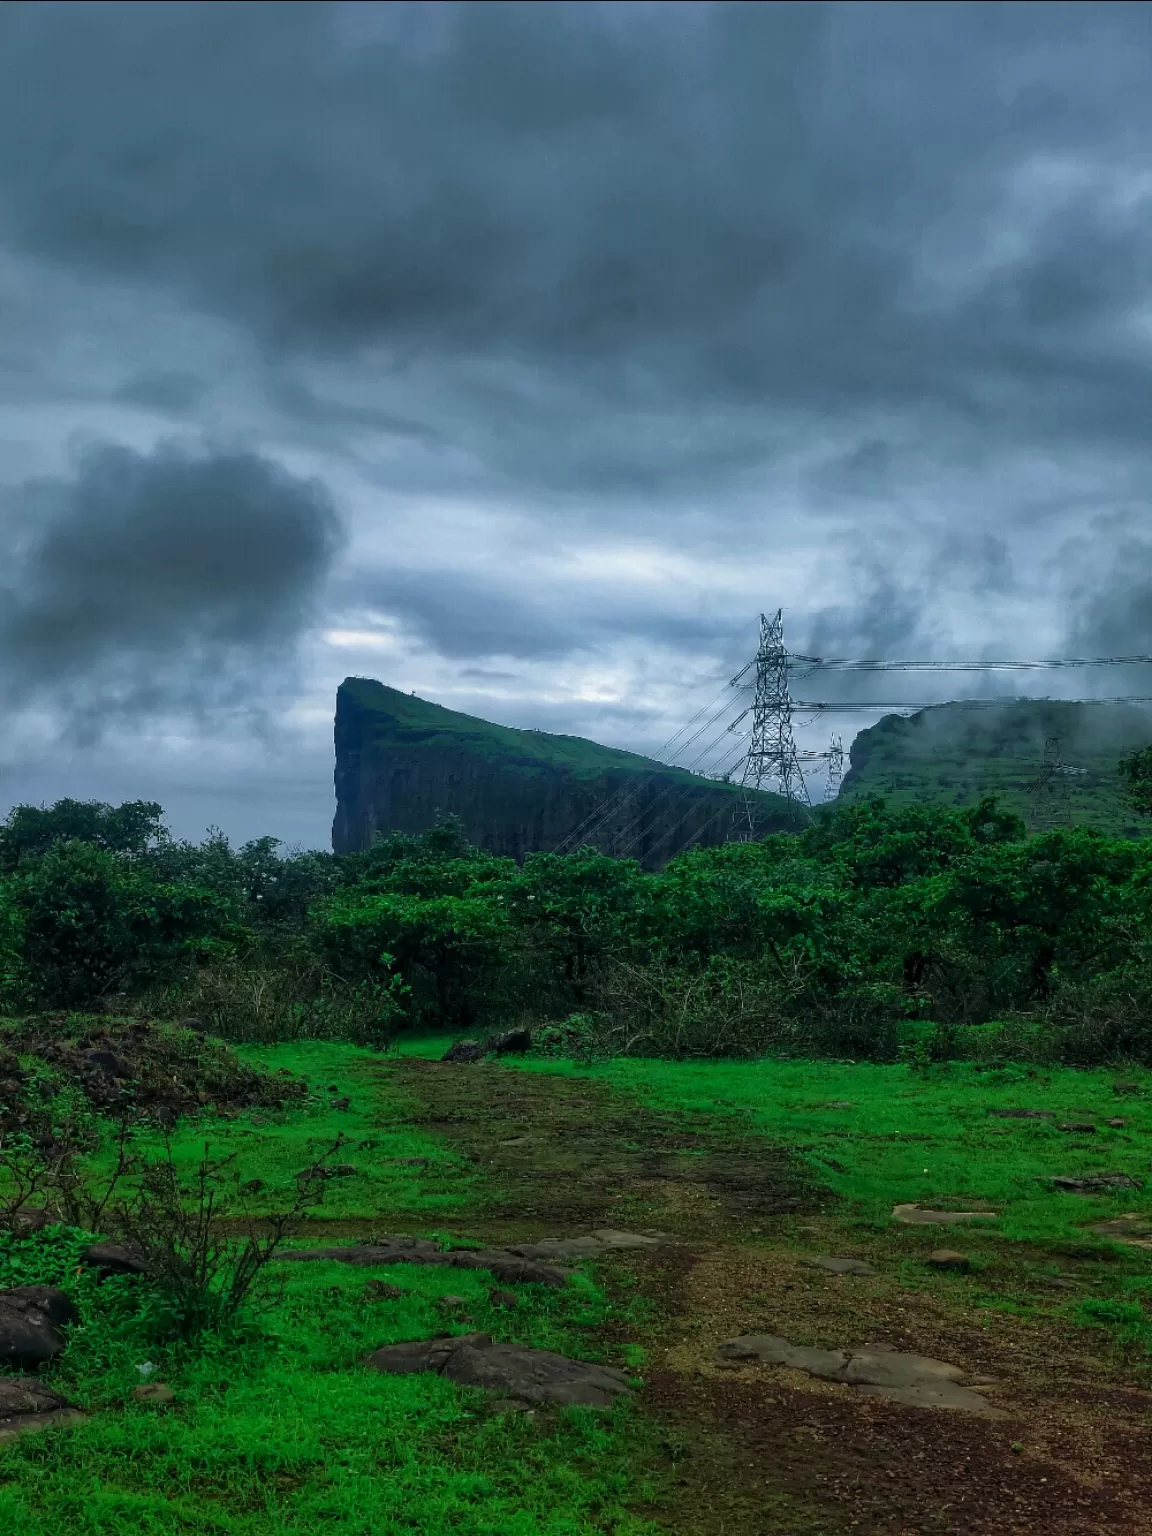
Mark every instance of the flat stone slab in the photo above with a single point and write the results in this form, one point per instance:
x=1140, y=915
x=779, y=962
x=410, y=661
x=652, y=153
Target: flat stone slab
x=1133, y=1230
x=1023, y=1114
x=511, y=1267
x=27, y=1405
x=918, y=1216
x=915, y=1380
x=603, y=1240
x=529, y=1377
x=840, y=1266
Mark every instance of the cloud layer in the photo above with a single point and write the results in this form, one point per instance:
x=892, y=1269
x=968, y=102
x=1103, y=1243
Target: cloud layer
x=603, y=325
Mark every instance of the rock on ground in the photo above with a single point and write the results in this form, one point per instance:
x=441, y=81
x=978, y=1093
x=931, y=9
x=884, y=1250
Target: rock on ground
x=154, y=1392
x=840, y=1266
x=465, y=1050
x=918, y=1216
x=1094, y=1183
x=510, y=1266
x=603, y=1240
x=31, y=1319
x=27, y=1405
x=915, y=1380
x=534, y=1377
x=115, y=1259
x=949, y=1259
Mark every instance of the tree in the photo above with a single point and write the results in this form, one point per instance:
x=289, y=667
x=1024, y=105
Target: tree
x=1136, y=772
x=31, y=830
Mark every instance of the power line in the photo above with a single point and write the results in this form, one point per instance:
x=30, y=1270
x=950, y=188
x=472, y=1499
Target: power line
x=836, y=705
x=841, y=664
x=617, y=801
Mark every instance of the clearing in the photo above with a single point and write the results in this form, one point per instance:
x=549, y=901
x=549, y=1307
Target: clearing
x=744, y=1174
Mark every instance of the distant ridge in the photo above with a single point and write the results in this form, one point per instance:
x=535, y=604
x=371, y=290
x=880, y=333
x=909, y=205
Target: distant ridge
x=401, y=761
x=952, y=754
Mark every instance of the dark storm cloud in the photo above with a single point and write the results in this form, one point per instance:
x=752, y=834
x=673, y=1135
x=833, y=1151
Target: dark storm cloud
x=1108, y=584
x=692, y=210
x=167, y=390
x=531, y=619
x=151, y=581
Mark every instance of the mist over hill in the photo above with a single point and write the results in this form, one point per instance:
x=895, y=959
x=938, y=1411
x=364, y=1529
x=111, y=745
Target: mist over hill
x=951, y=754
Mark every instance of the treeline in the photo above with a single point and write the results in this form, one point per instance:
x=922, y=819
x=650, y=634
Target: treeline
x=875, y=932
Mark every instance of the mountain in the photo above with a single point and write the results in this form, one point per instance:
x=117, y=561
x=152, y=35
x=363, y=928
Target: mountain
x=952, y=754
x=401, y=761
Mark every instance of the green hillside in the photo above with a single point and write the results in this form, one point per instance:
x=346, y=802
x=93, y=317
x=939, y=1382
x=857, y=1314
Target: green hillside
x=952, y=754
x=402, y=718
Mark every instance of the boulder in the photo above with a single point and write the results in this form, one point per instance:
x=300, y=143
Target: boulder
x=27, y=1405
x=537, y=1377
x=949, y=1259
x=465, y=1050
x=511, y=1042
x=57, y=1306
x=116, y=1259
x=31, y=1318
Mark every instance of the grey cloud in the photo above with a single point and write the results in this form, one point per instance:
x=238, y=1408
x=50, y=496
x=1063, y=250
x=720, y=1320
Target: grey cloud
x=462, y=615
x=152, y=581
x=753, y=206
x=167, y=391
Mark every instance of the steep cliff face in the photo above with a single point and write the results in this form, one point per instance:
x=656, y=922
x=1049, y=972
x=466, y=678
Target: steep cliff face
x=401, y=762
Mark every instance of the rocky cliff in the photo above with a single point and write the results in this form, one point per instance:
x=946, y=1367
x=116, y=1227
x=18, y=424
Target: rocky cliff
x=401, y=762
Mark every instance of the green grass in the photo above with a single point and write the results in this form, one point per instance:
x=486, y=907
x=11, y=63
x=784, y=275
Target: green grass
x=279, y=1429
x=924, y=1138
x=275, y=1146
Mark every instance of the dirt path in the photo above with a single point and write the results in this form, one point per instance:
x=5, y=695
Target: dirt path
x=754, y=1451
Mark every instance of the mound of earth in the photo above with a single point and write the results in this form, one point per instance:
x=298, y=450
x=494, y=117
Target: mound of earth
x=116, y=1063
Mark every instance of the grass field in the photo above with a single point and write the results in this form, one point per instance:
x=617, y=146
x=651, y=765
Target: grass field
x=278, y=1430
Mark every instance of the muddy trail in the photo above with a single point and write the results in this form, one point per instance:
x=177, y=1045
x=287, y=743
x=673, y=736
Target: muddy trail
x=752, y=1449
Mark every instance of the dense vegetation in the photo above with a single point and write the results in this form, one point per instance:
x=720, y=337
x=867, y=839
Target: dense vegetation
x=877, y=932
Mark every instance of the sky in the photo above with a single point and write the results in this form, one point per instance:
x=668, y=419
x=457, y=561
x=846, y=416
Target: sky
x=520, y=355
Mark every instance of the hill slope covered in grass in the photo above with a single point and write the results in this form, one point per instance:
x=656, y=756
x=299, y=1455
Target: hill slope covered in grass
x=952, y=754
x=401, y=761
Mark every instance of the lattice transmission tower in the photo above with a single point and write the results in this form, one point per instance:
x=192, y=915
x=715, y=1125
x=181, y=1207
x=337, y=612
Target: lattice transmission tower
x=772, y=761
x=835, y=769
x=1051, y=802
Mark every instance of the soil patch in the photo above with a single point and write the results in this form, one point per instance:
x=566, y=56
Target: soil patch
x=565, y=1155
x=762, y=1450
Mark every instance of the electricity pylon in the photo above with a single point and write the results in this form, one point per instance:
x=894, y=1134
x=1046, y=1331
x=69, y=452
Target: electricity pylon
x=835, y=769
x=771, y=760
x=1051, y=802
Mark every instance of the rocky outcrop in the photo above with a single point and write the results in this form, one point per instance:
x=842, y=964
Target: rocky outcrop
x=402, y=762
